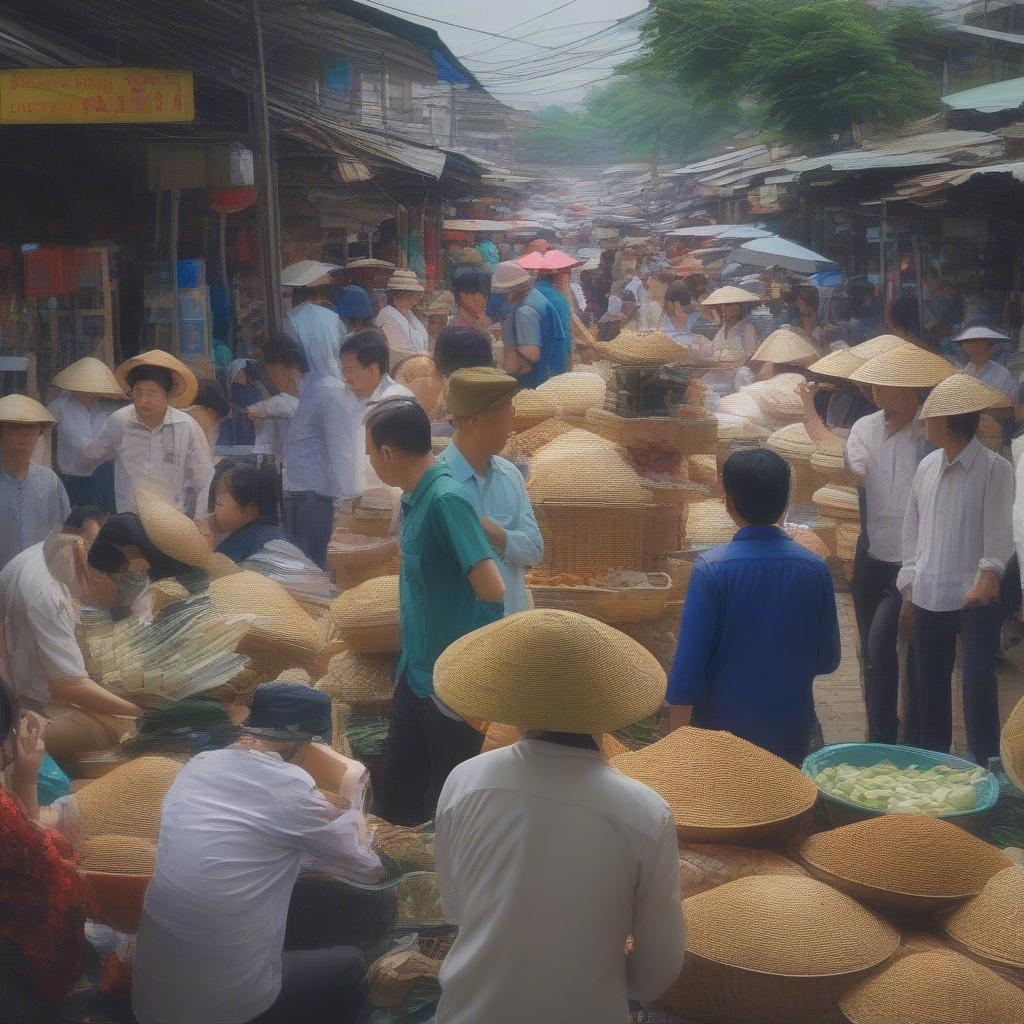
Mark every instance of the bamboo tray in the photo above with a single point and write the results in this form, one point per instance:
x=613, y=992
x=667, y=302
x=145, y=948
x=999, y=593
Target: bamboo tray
x=609, y=604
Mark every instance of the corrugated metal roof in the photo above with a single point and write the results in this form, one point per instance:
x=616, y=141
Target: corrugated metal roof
x=721, y=162
x=987, y=33
x=989, y=99
x=926, y=186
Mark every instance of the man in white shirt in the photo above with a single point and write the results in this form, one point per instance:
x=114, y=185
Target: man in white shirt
x=549, y=860
x=365, y=361
x=284, y=363
x=979, y=343
x=156, y=447
x=957, y=540
x=234, y=828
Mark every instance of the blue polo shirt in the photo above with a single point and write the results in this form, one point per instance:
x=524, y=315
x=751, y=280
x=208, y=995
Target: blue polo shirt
x=758, y=625
x=441, y=541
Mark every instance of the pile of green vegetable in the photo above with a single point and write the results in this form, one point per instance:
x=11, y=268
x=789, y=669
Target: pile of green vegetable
x=884, y=787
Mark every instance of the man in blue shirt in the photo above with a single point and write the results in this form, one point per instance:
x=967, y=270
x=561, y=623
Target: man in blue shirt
x=532, y=336
x=759, y=621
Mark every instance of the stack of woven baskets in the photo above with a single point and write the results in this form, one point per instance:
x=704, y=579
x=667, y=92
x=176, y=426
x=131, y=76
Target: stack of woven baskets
x=795, y=445
x=839, y=504
x=778, y=400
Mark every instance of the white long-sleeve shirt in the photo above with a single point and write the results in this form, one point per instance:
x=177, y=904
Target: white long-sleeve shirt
x=887, y=462
x=997, y=376
x=405, y=332
x=548, y=860
x=234, y=827
x=958, y=522
x=173, y=460
x=76, y=427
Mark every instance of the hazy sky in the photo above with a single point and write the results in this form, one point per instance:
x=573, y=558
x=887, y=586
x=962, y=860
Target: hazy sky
x=524, y=74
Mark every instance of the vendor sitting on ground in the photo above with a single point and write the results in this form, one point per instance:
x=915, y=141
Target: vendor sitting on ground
x=549, y=860
x=234, y=828
x=759, y=621
x=41, y=591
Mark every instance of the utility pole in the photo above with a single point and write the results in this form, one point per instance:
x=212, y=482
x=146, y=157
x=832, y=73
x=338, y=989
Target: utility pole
x=267, y=190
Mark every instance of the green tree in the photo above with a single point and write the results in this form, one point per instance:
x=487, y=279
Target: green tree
x=809, y=68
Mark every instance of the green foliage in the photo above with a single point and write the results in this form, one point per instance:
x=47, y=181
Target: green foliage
x=810, y=68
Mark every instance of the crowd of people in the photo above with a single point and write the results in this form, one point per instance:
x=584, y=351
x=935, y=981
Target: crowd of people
x=548, y=860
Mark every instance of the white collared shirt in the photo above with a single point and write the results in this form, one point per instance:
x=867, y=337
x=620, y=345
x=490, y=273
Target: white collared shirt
x=958, y=522
x=76, y=427
x=233, y=829
x=39, y=617
x=887, y=462
x=404, y=332
x=997, y=376
x=547, y=860
x=359, y=473
x=173, y=460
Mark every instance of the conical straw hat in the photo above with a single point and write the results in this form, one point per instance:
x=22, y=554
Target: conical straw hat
x=184, y=384
x=877, y=346
x=708, y=522
x=912, y=854
x=729, y=295
x=582, y=468
x=119, y=855
x=367, y=617
x=1011, y=746
x=792, y=442
x=575, y=392
x=992, y=924
x=22, y=409
x=815, y=931
x=718, y=785
x=840, y=363
x=937, y=986
x=837, y=501
x=634, y=347
x=172, y=532
x=778, y=396
x=552, y=670
x=784, y=346
x=959, y=394
x=526, y=443
x=908, y=366
x=742, y=403
x=89, y=376
x=125, y=801
x=531, y=408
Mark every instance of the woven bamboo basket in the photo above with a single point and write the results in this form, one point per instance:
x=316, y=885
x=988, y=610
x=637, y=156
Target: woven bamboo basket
x=596, y=537
x=609, y=604
x=353, y=563
x=575, y=392
x=526, y=444
x=114, y=899
x=532, y=408
x=991, y=925
x=367, y=522
x=367, y=617
x=704, y=866
x=838, y=503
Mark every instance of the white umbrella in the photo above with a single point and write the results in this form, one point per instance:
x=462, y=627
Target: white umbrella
x=745, y=232
x=701, y=231
x=780, y=252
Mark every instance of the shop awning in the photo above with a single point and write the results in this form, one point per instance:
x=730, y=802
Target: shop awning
x=989, y=99
x=932, y=187
x=489, y=225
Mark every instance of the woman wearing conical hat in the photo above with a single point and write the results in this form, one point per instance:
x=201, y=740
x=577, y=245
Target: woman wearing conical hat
x=89, y=393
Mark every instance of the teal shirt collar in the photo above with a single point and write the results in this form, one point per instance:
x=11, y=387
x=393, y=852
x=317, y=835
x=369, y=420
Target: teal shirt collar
x=438, y=469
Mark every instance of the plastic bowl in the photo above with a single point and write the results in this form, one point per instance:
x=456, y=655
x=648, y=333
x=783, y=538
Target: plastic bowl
x=863, y=755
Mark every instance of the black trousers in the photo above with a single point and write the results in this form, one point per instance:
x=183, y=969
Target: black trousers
x=309, y=519
x=935, y=636
x=876, y=604
x=423, y=746
x=322, y=985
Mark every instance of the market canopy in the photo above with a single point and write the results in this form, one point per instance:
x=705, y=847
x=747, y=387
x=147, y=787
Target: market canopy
x=989, y=99
x=702, y=231
x=744, y=231
x=780, y=252
x=490, y=225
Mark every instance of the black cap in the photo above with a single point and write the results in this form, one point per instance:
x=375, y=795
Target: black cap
x=290, y=711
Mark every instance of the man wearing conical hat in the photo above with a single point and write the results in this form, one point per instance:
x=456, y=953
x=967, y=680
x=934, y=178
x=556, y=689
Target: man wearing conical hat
x=33, y=502
x=957, y=540
x=980, y=343
x=155, y=445
x=89, y=393
x=547, y=858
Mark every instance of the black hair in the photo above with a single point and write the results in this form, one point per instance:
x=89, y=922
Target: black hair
x=609, y=330
x=254, y=485
x=458, y=348
x=9, y=713
x=107, y=551
x=471, y=281
x=903, y=312
x=964, y=425
x=284, y=350
x=210, y=396
x=369, y=347
x=757, y=481
x=401, y=423
x=157, y=374
x=676, y=292
x=81, y=514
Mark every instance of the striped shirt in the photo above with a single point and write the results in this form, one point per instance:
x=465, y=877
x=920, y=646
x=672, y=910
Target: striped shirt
x=997, y=376
x=30, y=509
x=958, y=523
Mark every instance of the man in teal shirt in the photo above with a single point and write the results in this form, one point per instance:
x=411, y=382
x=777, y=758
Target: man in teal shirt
x=449, y=586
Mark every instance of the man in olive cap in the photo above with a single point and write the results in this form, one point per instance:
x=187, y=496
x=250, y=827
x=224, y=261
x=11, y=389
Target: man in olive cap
x=481, y=401
x=234, y=827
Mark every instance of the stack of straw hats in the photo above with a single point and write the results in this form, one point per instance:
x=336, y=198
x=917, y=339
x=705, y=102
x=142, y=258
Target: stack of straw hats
x=935, y=986
x=404, y=281
x=743, y=403
x=828, y=463
x=904, y=863
x=785, y=346
x=575, y=392
x=703, y=866
x=419, y=374
x=527, y=443
x=367, y=617
x=580, y=468
x=835, y=502
x=89, y=376
x=365, y=682
x=708, y=523
x=636, y=347
x=796, y=446
x=991, y=925
x=532, y=408
x=908, y=366
x=1011, y=746
x=777, y=398
x=774, y=948
x=721, y=788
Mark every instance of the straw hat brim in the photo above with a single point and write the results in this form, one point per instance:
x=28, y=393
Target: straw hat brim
x=729, y=296
x=550, y=670
x=403, y=283
x=959, y=394
x=89, y=376
x=877, y=346
x=184, y=385
x=841, y=363
x=26, y=411
x=1011, y=746
x=784, y=346
x=908, y=366
x=172, y=532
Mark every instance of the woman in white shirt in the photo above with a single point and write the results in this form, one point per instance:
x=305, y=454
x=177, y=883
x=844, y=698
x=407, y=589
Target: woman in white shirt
x=734, y=343
x=405, y=334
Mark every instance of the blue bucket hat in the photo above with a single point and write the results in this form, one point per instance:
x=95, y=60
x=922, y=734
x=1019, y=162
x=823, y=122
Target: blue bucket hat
x=353, y=301
x=290, y=711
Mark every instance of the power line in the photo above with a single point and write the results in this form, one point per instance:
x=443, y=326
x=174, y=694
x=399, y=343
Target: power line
x=536, y=17
x=454, y=24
